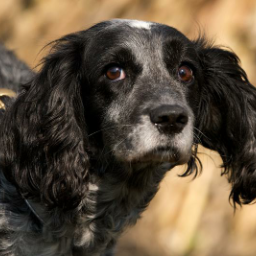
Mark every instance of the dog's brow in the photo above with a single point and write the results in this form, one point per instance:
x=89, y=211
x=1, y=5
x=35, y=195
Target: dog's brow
x=121, y=53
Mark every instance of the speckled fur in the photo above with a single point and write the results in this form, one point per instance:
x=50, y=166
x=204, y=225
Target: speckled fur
x=81, y=157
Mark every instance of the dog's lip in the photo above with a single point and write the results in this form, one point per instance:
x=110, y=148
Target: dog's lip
x=159, y=154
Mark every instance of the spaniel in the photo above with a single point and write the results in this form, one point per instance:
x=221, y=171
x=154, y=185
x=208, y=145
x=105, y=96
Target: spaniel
x=113, y=108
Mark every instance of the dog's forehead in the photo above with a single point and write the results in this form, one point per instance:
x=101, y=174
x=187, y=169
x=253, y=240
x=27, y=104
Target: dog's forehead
x=124, y=24
x=137, y=28
x=143, y=39
x=133, y=23
x=122, y=31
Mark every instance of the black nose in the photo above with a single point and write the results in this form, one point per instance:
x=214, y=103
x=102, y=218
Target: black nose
x=169, y=118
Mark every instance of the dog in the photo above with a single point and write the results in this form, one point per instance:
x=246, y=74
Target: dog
x=113, y=108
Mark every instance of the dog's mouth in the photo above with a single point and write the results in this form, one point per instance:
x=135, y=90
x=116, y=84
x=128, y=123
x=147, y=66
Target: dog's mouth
x=160, y=154
x=163, y=154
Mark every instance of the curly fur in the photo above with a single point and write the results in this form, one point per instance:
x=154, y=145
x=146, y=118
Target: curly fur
x=80, y=156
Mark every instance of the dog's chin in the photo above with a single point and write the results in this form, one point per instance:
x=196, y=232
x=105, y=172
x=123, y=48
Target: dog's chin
x=158, y=155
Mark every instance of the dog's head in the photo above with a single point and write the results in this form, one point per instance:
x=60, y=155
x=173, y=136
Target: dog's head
x=140, y=91
x=130, y=92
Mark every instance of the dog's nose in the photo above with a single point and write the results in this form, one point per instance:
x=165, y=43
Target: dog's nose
x=169, y=118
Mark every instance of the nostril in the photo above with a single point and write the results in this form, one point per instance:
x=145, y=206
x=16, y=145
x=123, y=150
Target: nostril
x=182, y=119
x=159, y=119
x=169, y=118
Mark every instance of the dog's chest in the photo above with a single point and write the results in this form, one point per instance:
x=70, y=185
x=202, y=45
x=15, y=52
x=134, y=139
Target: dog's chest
x=107, y=214
x=109, y=208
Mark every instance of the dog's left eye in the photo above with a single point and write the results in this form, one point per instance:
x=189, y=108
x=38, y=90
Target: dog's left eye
x=115, y=73
x=185, y=74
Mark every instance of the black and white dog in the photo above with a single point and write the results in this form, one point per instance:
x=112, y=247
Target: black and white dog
x=113, y=108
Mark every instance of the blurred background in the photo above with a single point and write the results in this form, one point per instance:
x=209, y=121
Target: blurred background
x=187, y=217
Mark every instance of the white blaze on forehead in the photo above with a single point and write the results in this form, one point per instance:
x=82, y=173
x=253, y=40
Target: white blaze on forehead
x=135, y=23
x=140, y=24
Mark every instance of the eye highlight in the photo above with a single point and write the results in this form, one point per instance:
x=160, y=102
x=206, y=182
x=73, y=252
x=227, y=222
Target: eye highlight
x=115, y=73
x=185, y=74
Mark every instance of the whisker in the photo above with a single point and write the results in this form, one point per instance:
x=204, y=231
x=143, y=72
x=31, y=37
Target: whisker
x=107, y=128
x=201, y=133
x=197, y=137
x=118, y=144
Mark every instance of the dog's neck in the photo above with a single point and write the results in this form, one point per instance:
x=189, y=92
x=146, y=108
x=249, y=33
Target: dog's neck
x=115, y=200
x=129, y=183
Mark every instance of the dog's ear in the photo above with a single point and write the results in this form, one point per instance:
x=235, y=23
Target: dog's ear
x=43, y=135
x=226, y=118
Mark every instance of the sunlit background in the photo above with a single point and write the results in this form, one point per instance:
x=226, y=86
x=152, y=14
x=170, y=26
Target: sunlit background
x=187, y=217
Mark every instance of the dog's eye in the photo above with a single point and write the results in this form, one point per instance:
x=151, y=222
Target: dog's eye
x=115, y=73
x=185, y=74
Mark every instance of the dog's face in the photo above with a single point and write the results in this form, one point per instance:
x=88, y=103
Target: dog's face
x=143, y=78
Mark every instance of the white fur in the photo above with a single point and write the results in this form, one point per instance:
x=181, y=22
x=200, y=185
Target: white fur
x=93, y=187
x=135, y=23
x=140, y=24
x=87, y=237
x=3, y=220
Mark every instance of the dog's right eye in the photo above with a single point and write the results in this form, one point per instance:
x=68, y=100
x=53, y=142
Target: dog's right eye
x=185, y=74
x=115, y=73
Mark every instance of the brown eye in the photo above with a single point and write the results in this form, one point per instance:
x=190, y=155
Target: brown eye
x=115, y=73
x=185, y=74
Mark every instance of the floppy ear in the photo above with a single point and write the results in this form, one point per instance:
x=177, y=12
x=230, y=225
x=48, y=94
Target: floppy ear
x=43, y=136
x=226, y=118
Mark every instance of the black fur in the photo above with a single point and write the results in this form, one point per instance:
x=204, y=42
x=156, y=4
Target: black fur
x=226, y=117
x=13, y=73
x=82, y=155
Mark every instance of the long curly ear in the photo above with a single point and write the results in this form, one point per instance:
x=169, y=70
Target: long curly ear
x=43, y=136
x=227, y=119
